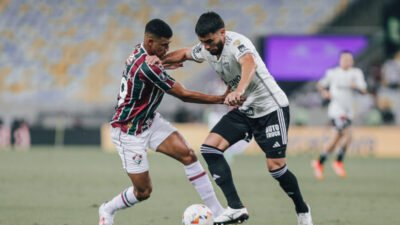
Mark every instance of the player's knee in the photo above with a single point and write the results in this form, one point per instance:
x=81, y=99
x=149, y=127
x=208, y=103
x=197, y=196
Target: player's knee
x=189, y=157
x=274, y=164
x=143, y=194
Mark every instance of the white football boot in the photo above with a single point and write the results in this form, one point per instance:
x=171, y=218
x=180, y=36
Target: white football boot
x=232, y=216
x=105, y=218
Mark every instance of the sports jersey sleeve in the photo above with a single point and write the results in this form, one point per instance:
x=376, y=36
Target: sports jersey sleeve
x=158, y=76
x=359, y=80
x=326, y=80
x=240, y=47
x=197, y=53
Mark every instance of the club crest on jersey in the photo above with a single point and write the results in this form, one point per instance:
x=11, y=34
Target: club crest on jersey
x=163, y=76
x=137, y=159
x=272, y=131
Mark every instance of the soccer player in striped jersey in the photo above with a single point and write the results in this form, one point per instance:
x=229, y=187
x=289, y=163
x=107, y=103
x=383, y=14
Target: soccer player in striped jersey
x=265, y=113
x=339, y=85
x=137, y=126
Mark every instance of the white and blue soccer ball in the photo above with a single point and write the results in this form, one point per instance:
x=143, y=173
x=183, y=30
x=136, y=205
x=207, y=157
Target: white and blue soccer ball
x=197, y=214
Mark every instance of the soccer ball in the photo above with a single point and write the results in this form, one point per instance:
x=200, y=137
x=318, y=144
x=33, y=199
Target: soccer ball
x=197, y=214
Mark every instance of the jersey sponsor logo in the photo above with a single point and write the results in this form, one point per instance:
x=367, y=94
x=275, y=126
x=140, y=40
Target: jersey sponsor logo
x=137, y=159
x=234, y=82
x=242, y=48
x=272, y=131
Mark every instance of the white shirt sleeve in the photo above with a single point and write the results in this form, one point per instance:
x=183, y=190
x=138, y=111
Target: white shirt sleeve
x=197, y=53
x=241, y=47
x=359, y=80
x=326, y=80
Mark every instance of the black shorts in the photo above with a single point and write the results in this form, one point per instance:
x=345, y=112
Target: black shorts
x=270, y=131
x=341, y=123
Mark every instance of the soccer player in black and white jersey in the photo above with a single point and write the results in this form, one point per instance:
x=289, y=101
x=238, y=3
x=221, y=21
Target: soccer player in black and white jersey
x=136, y=125
x=339, y=86
x=265, y=113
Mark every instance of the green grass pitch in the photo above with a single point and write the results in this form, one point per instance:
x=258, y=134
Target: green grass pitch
x=48, y=186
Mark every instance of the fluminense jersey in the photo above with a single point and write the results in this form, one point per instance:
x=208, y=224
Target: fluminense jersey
x=339, y=82
x=142, y=89
x=263, y=94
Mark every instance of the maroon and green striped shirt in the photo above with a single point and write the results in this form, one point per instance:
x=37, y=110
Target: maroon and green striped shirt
x=142, y=89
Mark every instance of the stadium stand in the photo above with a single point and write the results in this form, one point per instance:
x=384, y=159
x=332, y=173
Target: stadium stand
x=65, y=57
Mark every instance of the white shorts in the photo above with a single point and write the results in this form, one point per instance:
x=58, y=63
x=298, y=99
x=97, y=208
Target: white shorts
x=133, y=149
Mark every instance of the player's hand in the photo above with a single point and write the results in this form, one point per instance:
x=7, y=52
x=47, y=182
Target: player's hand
x=153, y=60
x=234, y=99
x=325, y=94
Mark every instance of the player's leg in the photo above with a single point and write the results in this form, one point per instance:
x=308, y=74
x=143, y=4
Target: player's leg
x=338, y=165
x=132, y=150
x=230, y=129
x=167, y=140
x=329, y=147
x=270, y=132
x=237, y=148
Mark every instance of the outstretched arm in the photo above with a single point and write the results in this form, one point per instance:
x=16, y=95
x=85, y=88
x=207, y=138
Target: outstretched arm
x=178, y=56
x=172, y=60
x=179, y=91
x=248, y=69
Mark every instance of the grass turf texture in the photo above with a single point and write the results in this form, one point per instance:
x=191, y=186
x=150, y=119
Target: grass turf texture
x=47, y=186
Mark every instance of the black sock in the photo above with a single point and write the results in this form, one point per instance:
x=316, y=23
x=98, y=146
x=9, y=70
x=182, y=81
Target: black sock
x=322, y=158
x=221, y=173
x=340, y=155
x=289, y=184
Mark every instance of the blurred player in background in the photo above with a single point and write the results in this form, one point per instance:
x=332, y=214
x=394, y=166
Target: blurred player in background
x=265, y=113
x=137, y=126
x=339, y=85
x=5, y=136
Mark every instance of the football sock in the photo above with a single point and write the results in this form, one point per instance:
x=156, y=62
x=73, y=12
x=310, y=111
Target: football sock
x=340, y=155
x=323, y=157
x=221, y=173
x=201, y=182
x=287, y=180
x=124, y=200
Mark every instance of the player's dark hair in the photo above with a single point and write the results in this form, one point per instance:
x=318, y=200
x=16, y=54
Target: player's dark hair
x=346, y=52
x=158, y=28
x=208, y=22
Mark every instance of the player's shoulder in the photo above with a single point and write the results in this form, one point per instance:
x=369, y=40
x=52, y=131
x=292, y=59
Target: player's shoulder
x=155, y=68
x=235, y=39
x=333, y=70
x=356, y=69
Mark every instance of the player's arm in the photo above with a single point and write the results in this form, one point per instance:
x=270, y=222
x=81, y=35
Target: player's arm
x=323, y=84
x=359, y=84
x=249, y=67
x=323, y=91
x=173, y=59
x=178, y=56
x=179, y=91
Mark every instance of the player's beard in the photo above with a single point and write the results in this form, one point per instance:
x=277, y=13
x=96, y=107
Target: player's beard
x=218, y=50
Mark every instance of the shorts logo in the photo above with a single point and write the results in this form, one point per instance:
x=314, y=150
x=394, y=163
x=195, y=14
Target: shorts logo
x=137, y=159
x=276, y=145
x=272, y=131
